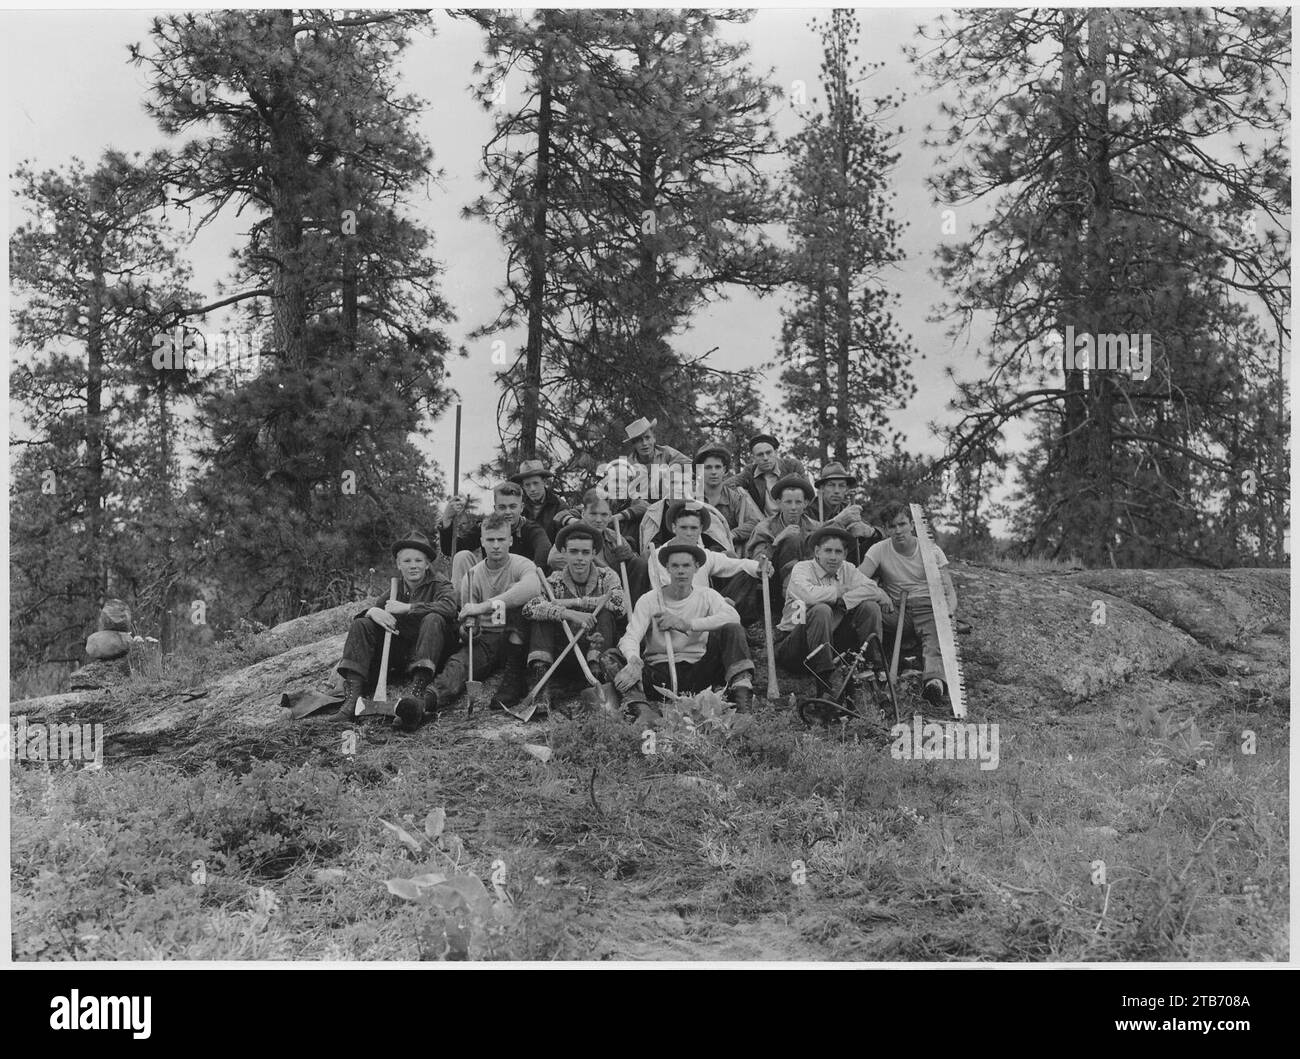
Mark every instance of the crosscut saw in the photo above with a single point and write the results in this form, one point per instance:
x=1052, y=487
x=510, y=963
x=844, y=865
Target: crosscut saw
x=952, y=673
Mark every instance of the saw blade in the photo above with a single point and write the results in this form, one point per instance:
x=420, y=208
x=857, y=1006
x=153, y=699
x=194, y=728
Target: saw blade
x=952, y=670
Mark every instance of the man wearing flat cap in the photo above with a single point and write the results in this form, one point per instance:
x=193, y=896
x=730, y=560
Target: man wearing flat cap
x=712, y=465
x=830, y=606
x=834, y=507
x=768, y=468
x=708, y=642
x=541, y=504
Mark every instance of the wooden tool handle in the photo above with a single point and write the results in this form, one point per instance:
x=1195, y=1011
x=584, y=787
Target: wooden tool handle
x=381, y=690
x=668, y=643
x=556, y=664
x=773, y=689
x=898, y=635
x=465, y=582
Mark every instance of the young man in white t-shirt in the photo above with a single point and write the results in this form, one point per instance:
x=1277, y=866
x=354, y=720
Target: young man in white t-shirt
x=709, y=645
x=898, y=560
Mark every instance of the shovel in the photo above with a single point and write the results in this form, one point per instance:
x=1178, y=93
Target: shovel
x=379, y=705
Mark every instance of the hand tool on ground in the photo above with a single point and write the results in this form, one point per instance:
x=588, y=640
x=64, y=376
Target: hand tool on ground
x=898, y=635
x=598, y=696
x=773, y=691
x=379, y=704
x=528, y=706
x=952, y=670
x=668, y=641
x=473, y=688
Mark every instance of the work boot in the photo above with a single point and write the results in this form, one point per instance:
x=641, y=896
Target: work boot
x=542, y=700
x=514, y=678
x=420, y=682
x=410, y=712
x=347, y=712
x=933, y=693
x=743, y=697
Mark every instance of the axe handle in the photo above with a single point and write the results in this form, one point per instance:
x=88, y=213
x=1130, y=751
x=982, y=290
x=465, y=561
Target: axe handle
x=668, y=643
x=465, y=599
x=555, y=665
x=455, y=484
x=381, y=691
x=773, y=689
x=573, y=639
x=898, y=635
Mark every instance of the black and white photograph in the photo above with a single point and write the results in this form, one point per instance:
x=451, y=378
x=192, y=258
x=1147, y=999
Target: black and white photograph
x=650, y=486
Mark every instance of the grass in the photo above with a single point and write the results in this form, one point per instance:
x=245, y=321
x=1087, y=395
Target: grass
x=603, y=851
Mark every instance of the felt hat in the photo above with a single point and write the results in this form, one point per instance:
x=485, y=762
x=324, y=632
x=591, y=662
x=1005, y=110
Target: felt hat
x=638, y=427
x=713, y=449
x=764, y=437
x=832, y=471
x=531, y=469
x=676, y=507
x=822, y=533
x=584, y=529
x=678, y=545
x=792, y=481
x=416, y=540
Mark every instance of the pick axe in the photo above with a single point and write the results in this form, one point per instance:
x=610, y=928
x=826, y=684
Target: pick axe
x=379, y=705
x=528, y=706
x=598, y=696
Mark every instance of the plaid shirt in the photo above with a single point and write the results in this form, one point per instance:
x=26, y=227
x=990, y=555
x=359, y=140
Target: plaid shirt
x=602, y=581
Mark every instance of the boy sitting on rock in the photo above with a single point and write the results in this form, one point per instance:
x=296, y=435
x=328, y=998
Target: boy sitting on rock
x=420, y=616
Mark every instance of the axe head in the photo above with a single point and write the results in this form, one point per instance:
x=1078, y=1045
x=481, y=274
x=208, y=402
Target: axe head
x=375, y=707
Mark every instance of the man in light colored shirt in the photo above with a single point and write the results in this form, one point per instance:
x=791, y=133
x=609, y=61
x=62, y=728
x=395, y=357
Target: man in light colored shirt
x=898, y=561
x=708, y=641
x=736, y=579
x=829, y=607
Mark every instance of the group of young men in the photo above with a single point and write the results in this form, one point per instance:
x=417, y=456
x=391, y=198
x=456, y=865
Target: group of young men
x=651, y=578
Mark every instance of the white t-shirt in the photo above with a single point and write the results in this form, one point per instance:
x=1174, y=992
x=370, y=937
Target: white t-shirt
x=899, y=572
x=703, y=606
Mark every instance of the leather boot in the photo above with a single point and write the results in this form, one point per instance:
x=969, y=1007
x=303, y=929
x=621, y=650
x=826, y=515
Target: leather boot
x=542, y=700
x=411, y=708
x=514, y=679
x=743, y=697
x=353, y=685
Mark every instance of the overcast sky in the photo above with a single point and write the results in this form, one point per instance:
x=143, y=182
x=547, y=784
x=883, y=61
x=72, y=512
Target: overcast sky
x=72, y=92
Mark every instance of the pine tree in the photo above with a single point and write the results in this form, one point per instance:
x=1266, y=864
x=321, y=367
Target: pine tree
x=847, y=363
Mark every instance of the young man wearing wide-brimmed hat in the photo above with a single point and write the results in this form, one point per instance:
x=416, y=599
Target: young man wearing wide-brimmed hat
x=783, y=537
x=830, y=606
x=577, y=590
x=712, y=465
x=662, y=465
x=834, y=507
x=767, y=468
x=735, y=578
x=708, y=641
x=421, y=617
x=541, y=503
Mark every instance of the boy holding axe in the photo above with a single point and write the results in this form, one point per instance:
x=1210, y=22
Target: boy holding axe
x=418, y=616
x=499, y=586
x=683, y=637
x=571, y=597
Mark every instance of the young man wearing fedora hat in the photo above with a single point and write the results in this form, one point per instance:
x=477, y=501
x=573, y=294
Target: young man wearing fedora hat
x=829, y=606
x=712, y=463
x=663, y=465
x=708, y=641
x=541, y=504
x=577, y=590
x=832, y=507
x=768, y=468
x=420, y=616
x=783, y=538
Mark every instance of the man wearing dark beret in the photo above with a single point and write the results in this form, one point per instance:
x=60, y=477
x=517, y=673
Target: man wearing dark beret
x=768, y=468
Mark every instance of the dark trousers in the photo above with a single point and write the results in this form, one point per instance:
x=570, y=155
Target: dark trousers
x=726, y=659
x=827, y=627
x=745, y=593
x=919, y=623
x=420, y=643
x=489, y=653
x=546, y=640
